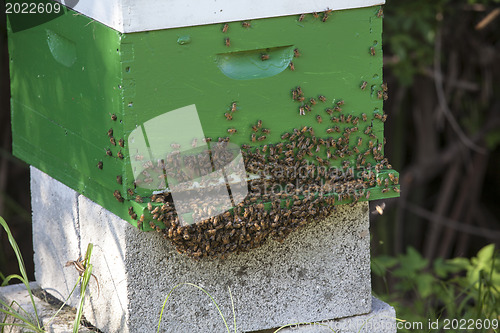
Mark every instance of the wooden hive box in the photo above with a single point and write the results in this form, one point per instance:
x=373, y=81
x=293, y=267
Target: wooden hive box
x=85, y=84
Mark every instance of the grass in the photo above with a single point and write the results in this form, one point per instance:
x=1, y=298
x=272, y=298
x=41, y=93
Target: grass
x=20, y=316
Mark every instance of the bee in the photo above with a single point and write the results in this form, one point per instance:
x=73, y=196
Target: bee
x=254, y=128
x=265, y=130
x=368, y=130
x=329, y=130
x=109, y=153
x=233, y=107
x=363, y=85
x=396, y=189
x=349, y=118
x=259, y=123
x=121, y=143
x=319, y=119
x=372, y=50
x=396, y=180
x=384, y=86
x=225, y=28
x=299, y=91
x=110, y=132
x=364, y=117
x=380, y=94
x=246, y=24
x=114, y=117
x=228, y=116
x=285, y=136
x=227, y=41
x=253, y=137
x=119, y=180
x=316, y=15
x=322, y=98
x=112, y=140
x=384, y=118
x=302, y=111
x=386, y=96
x=99, y=165
x=232, y=130
x=360, y=141
x=207, y=139
x=261, y=138
x=120, y=155
x=294, y=94
x=175, y=146
x=335, y=119
x=384, y=190
x=264, y=57
x=379, y=209
x=307, y=107
x=138, y=199
x=380, y=13
x=292, y=66
x=296, y=53
x=118, y=196
x=150, y=205
x=301, y=17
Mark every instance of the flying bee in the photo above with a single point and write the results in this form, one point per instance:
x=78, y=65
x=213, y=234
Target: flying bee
x=228, y=116
x=363, y=85
x=118, y=196
x=227, y=41
x=232, y=131
x=292, y=66
x=261, y=138
x=246, y=24
x=319, y=119
x=264, y=57
x=379, y=209
x=296, y=53
x=265, y=130
x=225, y=28
x=372, y=50
x=233, y=107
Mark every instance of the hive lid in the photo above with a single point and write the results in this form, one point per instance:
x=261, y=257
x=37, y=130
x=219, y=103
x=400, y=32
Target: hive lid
x=143, y=15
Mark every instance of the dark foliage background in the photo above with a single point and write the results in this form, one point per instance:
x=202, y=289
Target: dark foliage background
x=442, y=66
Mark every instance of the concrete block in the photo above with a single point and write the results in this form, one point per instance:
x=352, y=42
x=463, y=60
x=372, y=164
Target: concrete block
x=381, y=319
x=62, y=323
x=319, y=272
x=56, y=236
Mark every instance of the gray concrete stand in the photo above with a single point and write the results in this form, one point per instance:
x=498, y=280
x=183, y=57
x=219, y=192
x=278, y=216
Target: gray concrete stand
x=319, y=272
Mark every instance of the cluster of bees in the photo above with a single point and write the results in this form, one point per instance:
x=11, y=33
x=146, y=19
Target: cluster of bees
x=289, y=185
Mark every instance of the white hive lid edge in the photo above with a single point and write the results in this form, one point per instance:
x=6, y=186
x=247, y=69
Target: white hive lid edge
x=144, y=15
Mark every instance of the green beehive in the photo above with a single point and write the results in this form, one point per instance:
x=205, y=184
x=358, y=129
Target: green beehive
x=93, y=106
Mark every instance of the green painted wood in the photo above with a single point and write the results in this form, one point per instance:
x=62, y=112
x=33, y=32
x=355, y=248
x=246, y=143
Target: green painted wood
x=71, y=74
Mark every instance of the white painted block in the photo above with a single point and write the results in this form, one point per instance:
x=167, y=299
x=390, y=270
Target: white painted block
x=144, y=15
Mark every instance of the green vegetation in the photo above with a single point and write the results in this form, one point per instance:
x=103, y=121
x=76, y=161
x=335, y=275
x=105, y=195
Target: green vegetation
x=459, y=288
x=15, y=315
